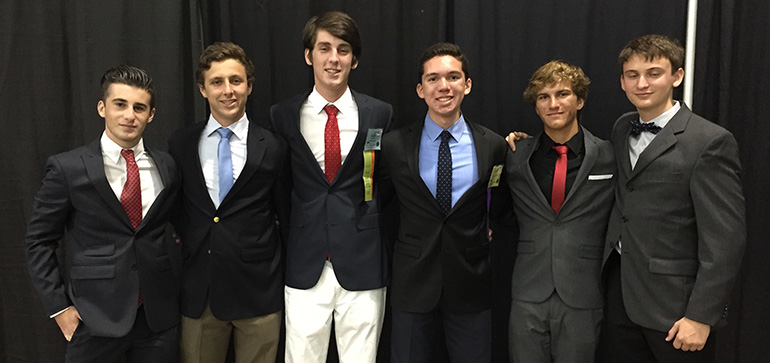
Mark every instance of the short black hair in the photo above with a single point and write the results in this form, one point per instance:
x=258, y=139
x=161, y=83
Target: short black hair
x=441, y=49
x=131, y=76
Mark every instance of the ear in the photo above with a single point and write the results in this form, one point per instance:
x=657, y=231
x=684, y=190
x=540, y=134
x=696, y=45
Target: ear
x=308, y=57
x=419, y=91
x=100, y=108
x=678, y=77
x=622, y=82
x=203, y=90
x=152, y=115
x=468, y=85
x=581, y=102
x=250, y=88
x=355, y=64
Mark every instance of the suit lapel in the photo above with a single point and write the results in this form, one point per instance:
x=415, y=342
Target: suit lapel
x=191, y=159
x=592, y=153
x=664, y=140
x=412, y=151
x=165, y=176
x=482, y=161
x=621, y=148
x=94, y=166
x=526, y=170
x=255, y=152
x=364, y=122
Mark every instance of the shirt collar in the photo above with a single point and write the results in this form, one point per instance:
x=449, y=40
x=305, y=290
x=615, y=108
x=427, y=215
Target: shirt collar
x=318, y=102
x=433, y=130
x=112, y=150
x=239, y=128
x=575, y=144
x=663, y=119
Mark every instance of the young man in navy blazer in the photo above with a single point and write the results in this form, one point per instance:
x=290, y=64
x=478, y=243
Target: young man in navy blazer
x=116, y=296
x=336, y=262
x=232, y=276
x=677, y=233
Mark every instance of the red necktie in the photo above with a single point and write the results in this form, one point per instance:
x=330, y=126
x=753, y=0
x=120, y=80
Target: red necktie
x=332, y=157
x=131, y=198
x=559, y=178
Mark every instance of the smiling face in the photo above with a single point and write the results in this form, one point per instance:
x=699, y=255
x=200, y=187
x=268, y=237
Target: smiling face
x=126, y=112
x=649, y=84
x=557, y=105
x=332, y=60
x=226, y=88
x=443, y=87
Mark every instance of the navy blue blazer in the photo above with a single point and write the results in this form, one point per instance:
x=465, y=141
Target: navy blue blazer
x=333, y=218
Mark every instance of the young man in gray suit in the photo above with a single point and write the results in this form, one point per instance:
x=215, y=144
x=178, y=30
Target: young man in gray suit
x=116, y=297
x=562, y=182
x=677, y=233
x=336, y=262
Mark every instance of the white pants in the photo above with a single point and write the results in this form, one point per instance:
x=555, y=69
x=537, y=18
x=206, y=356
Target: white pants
x=357, y=315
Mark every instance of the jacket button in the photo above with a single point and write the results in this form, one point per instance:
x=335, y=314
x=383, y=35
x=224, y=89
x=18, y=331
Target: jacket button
x=216, y=219
x=630, y=188
x=133, y=267
x=625, y=219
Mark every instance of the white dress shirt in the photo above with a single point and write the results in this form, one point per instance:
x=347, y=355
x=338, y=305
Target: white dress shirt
x=207, y=152
x=312, y=123
x=637, y=144
x=115, y=170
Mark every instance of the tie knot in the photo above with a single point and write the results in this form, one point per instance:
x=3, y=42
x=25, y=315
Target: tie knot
x=331, y=110
x=127, y=154
x=445, y=136
x=224, y=132
x=638, y=127
x=561, y=149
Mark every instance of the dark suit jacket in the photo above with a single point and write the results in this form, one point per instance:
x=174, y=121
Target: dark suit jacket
x=333, y=218
x=680, y=216
x=232, y=255
x=107, y=262
x=438, y=258
x=563, y=251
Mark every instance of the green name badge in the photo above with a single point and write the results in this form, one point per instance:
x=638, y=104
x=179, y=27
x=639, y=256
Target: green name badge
x=494, y=179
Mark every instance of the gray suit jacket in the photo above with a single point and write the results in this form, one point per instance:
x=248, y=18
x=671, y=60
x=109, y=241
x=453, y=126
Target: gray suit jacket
x=563, y=251
x=333, y=218
x=680, y=215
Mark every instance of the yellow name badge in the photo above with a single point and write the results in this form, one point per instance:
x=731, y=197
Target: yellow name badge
x=373, y=142
x=494, y=179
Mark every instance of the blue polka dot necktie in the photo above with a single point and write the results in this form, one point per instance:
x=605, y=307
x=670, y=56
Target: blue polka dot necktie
x=444, y=174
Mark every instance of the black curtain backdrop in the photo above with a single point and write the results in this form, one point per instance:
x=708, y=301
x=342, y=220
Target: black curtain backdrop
x=52, y=55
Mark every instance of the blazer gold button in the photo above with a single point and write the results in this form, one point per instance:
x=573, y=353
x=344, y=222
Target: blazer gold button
x=209, y=252
x=216, y=219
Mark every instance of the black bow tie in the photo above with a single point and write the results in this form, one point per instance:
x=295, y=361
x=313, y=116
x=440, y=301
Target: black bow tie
x=638, y=127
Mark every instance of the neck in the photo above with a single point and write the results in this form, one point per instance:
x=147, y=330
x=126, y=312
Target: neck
x=561, y=136
x=648, y=114
x=445, y=122
x=331, y=94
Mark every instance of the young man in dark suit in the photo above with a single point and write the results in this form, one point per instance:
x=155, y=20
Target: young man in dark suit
x=562, y=182
x=116, y=297
x=444, y=170
x=336, y=262
x=677, y=233
x=232, y=278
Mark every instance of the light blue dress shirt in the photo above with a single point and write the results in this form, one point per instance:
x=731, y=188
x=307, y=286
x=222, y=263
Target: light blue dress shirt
x=465, y=170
